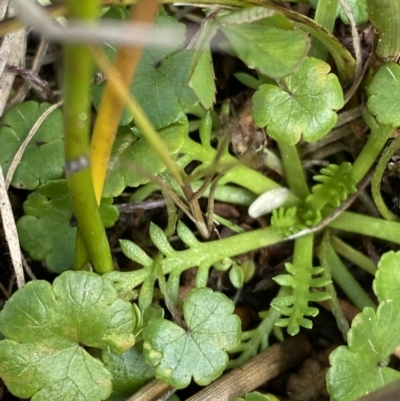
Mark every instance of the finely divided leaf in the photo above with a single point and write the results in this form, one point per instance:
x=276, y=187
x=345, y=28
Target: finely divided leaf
x=302, y=106
x=199, y=351
x=43, y=159
x=47, y=327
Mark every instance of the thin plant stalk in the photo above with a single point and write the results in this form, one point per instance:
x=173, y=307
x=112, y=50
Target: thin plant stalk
x=77, y=80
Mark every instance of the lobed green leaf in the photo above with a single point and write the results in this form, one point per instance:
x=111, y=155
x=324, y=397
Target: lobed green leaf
x=303, y=106
x=43, y=159
x=382, y=100
x=47, y=327
x=199, y=351
x=47, y=231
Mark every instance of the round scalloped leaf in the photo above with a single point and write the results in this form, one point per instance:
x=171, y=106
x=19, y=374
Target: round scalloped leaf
x=200, y=350
x=46, y=231
x=43, y=159
x=357, y=370
x=273, y=52
x=387, y=280
x=46, y=328
x=383, y=101
x=160, y=83
x=129, y=371
x=129, y=152
x=303, y=106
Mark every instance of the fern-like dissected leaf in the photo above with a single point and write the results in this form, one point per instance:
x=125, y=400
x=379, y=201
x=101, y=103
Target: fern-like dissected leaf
x=160, y=240
x=337, y=183
x=295, y=306
x=286, y=221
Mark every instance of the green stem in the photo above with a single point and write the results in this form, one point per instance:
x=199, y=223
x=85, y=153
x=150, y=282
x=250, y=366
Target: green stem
x=385, y=16
x=208, y=253
x=294, y=173
x=334, y=301
x=238, y=174
x=351, y=254
x=367, y=225
x=77, y=104
x=377, y=178
x=379, y=135
x=346, y=281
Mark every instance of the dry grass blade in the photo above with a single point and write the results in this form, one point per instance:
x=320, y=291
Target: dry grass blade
x=12, y=52
x=10, y=230
x=37, y=63
x=359, y=72
x=3, y=8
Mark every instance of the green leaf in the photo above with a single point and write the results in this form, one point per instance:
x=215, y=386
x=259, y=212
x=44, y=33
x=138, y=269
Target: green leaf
x=361, y=367
x=256, y=396
x=387, y=280
x=47, y=327
x=302, y=106
x=382, y=101
x=129, y=371
x=43, y=159
x=46, y=231
x=274, y=52
x=295, y=306
x=357, y=370
x=160, y=83
x=129, y=152
x=135, y=253
x=236, y=276
x=200, y=350
x=358, y=10
x=202, y=80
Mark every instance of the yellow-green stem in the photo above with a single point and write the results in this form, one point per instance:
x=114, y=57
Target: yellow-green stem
x=77, y=81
